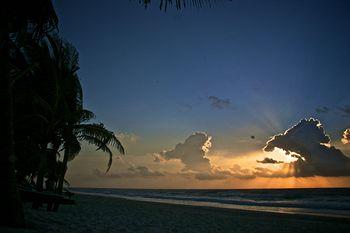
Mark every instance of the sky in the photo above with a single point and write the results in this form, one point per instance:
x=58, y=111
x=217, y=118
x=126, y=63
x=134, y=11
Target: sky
x=246, y=94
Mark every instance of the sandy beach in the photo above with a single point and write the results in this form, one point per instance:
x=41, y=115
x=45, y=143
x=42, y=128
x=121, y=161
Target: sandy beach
x=104, y=214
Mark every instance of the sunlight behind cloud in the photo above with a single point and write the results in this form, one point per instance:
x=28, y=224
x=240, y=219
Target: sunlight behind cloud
x=281, y=155
x=249, y=160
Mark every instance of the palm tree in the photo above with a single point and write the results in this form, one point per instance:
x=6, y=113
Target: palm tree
x=60, y=101
x=54, y=100
x=73, y=117
x=65, y=119
x=16, y=18
x=95, y=134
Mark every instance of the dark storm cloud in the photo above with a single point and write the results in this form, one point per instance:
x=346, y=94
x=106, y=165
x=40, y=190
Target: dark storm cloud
x=133, y=172
x=269, y=160
x=307, y=141
x=346, y=137
x=192, y=152
x=218, y=103
x=322, y=109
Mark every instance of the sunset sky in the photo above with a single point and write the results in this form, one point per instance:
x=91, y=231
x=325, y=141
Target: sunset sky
x=197, y=95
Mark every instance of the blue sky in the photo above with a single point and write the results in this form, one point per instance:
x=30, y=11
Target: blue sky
x=150, y=73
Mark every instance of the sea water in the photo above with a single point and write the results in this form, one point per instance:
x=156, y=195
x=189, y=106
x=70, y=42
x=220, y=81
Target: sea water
x=320, y=201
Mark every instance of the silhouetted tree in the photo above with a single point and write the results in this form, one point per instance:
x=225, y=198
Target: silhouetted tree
x=16, y=19
x=54, y=100
x=75, y=127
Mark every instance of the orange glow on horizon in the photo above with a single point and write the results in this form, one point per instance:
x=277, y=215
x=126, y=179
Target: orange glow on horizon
x=250, y=161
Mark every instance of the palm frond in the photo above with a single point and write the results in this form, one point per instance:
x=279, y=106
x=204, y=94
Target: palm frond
x=101, y=146
x=180, y=4
x=85, y=115
x=99, y=131
x=99, y=136
x=66, y=183
x=73, y=146
x=37, y=16
x=114, y=142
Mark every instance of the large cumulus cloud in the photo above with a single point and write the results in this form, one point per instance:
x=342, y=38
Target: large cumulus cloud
x=192, y=152
x=308, y=142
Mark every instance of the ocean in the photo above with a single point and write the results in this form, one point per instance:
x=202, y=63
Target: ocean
x=333, y=202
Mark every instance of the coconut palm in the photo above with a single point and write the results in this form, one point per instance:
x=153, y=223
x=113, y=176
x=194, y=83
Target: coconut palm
x=53, y=99
x=16, y=18
x=50, y=108
x=94, y=134
x=61, y=108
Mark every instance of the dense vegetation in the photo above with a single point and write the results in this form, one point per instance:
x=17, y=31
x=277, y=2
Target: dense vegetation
x=44, y=120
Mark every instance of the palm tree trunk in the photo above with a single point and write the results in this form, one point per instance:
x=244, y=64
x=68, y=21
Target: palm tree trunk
x=59, y=189
x=63, y=172
x=41, y=174
x=11, y=210
x=42, y=168
x=55, y=148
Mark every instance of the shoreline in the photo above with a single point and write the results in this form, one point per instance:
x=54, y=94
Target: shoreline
x=264, y=209
x=110, y=214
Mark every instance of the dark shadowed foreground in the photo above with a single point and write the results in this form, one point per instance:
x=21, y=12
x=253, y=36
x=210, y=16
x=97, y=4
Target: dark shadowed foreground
x=102, y=214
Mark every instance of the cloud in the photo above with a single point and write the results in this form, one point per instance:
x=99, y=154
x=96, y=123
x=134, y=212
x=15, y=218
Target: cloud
x=192, y=152
x=269, y=173
x=157, y=158
x=307, y=142
x=193, y=155
x=185, y=107
x=132, y=172
x=127, y=138
x=346, y=137
x=220, y=174
x=210, y=176
x=269, y=160
x=241, y=173
x=297, y=156
x=345, y=111
x=322, y=109
x=310, y=145
x=144, y=171
x=218, y=103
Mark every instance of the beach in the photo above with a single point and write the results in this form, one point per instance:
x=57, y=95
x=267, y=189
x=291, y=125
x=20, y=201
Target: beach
x=108, y=214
